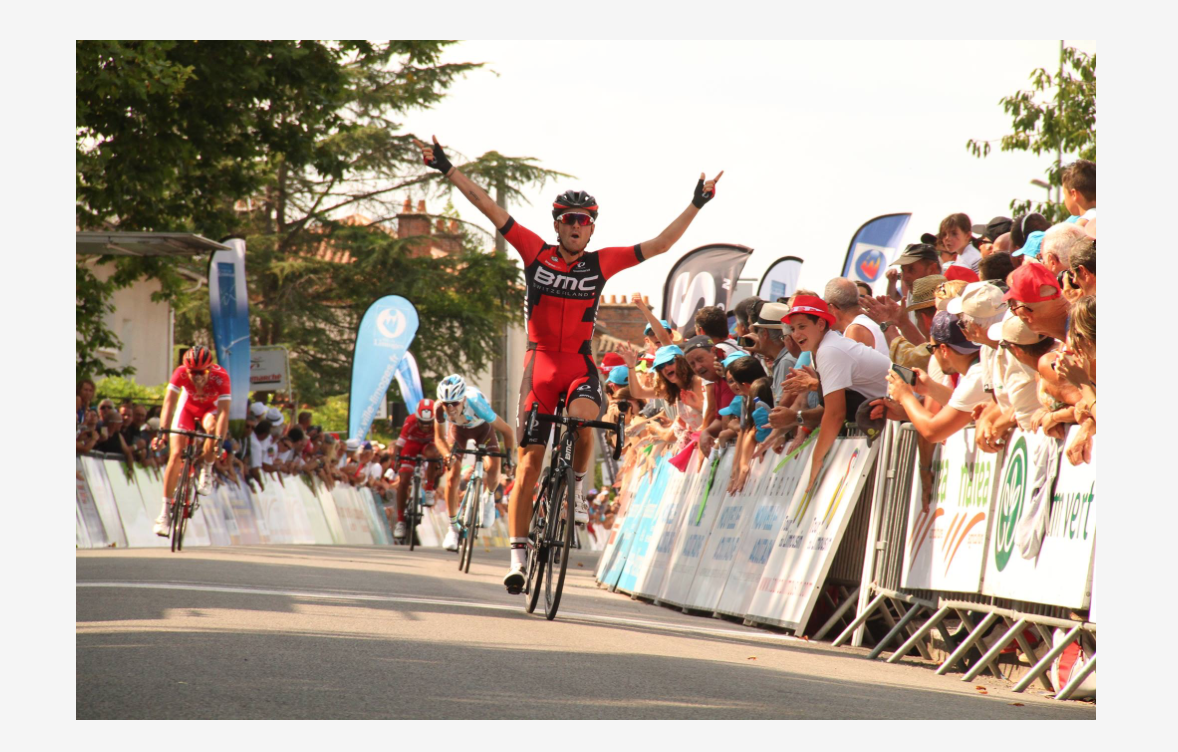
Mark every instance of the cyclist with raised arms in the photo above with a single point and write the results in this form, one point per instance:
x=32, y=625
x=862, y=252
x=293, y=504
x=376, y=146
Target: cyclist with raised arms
x=564, y=285
x=416, y=439
x=467, y=415
x=197, y=400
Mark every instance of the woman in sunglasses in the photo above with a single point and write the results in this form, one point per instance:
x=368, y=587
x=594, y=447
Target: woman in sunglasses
x=197, y=400
x=564, y=285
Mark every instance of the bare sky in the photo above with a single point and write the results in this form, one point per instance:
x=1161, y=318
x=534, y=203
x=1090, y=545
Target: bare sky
x=814, y=138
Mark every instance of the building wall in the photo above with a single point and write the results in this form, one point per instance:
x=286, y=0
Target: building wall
x=617, y=317
x=143, y=326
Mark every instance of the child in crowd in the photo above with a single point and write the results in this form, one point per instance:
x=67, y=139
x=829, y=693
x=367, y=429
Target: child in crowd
x=1079, y=190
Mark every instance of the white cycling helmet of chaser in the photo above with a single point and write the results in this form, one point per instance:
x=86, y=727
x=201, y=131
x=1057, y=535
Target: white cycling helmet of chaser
x=452, y=389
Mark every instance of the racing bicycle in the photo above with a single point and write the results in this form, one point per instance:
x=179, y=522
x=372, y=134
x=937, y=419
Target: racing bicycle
x=413, y=505
x=184, y=502
x=470, y=510
x=551, y=533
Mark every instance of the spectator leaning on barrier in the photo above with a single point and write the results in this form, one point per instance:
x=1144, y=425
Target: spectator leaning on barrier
x=87, y=432
x=842, y=297
x=774, y=343
x=1078, y=367
x=1034, y=295
x=956, y=355
x=703, y=359
x=1016, y=384
x=85, y=397
x=849, y=373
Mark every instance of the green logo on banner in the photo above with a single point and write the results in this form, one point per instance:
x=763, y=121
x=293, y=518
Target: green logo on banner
x=1010, y=502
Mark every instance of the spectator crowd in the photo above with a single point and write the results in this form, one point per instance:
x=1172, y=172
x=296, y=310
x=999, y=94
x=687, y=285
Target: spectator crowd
x=992, y=325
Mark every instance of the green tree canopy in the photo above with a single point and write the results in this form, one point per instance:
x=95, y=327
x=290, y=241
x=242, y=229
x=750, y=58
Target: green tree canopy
x=1056, y=116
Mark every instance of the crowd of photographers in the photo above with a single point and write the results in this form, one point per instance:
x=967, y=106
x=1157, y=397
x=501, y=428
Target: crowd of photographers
x=993, y=325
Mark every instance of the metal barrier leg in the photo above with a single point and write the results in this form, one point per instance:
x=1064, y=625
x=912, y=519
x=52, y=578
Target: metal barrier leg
x=1045, y=662
x=1074, y=683
x=995, y=650
x=907, y=617
x=848, y=601
x=860, y=619
x=974, y=635
x=1032, y=656
x=927, y=627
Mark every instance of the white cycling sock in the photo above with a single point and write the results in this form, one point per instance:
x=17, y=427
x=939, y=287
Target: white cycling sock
x=167, y=503
x=578, y=477
x=519, y=552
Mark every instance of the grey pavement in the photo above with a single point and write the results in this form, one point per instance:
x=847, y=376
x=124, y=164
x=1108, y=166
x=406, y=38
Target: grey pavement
x=379, y=632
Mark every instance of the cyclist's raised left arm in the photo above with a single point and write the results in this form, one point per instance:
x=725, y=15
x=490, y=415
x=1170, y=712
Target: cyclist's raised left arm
x=704, y=192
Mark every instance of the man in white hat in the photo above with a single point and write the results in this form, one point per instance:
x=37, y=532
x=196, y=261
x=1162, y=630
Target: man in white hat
x=774, y=343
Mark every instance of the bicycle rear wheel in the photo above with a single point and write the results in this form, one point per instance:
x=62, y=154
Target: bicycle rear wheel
x=561, y=510
x=537, y=547
x=411, y=512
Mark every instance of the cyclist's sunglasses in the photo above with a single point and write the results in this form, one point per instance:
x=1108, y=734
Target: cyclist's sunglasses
x=581, y=220
x=451, y=405
x=198, y=371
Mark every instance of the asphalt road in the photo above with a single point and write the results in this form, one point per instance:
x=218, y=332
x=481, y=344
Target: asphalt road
x=379, y=632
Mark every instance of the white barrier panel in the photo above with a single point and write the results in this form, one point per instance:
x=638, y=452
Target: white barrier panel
x=81, y=537
x=681, y=489
x=810, y=536
x=104, y=500
x=376, y=518
x=136, y=522
x=331, y=514
x=320, y=531
x=694, y=529
x=212, y=510
x=757, y=539
x=248, y=532
x=355, y=527
x=946, y=544
x=731, y=520
x=271, y=511
x=616, y=559
x=643, y=542
x=223, y=507
x=88, y=516
x=1058, y=570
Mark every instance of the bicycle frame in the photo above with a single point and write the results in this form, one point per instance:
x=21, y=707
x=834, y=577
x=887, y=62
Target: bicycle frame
x=184, y=502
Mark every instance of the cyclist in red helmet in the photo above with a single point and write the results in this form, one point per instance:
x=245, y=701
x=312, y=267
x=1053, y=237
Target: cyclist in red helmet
x=197, y=400
x=417, y=438
x=564, y=284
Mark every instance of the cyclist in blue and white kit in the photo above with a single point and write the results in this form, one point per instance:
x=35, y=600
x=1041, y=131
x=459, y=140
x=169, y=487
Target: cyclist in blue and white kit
x=467, y=415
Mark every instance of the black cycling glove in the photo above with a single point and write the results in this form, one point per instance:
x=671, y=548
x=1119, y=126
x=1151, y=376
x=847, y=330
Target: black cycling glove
x=440, y=162
x=700, y=197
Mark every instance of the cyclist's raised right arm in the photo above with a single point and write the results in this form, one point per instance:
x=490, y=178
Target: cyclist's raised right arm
x=436, y=158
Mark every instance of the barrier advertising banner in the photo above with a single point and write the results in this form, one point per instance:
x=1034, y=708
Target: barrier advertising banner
x=873, y=247
x=781, y=280
x=88, y=510
x=681, y=487
x=104, y=500
x=810, y=536
x=765, y=521
x=229, y=309
x=1043, y=552
x=644, y=540
x=946, y=543
x=382, y=339
x=269, y=369
x=616, y=559
x=698, y=520
x=705, y=276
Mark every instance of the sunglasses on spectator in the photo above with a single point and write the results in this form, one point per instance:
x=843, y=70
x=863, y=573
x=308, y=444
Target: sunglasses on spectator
x=581, y=220
x=930, y=348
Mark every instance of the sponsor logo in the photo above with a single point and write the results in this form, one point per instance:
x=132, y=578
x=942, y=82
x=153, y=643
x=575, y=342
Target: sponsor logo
x=1010, y=503
x=390, y=323
x=869, y=265
x=560, y=282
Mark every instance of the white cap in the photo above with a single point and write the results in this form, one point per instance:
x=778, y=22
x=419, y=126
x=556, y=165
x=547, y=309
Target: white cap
x=274, y=416
x=352, y=445
x=981, y=300
x=257, y=409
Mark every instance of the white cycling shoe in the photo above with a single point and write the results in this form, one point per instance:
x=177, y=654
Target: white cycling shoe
x=400, y=529
x=451, y=542
x=515, y=579
x=163, y=525
x=204, y=481
x=580, y=507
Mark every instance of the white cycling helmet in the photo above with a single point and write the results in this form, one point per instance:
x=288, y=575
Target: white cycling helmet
x=452, y=389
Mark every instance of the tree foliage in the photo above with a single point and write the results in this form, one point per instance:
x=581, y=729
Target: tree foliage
x=1057, y=115
x=287, y=144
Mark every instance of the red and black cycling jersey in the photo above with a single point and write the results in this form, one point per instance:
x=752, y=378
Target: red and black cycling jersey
x=561, y=298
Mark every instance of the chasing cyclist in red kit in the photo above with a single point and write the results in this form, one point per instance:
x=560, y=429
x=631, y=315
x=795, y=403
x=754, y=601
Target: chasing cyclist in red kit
x=564, y=284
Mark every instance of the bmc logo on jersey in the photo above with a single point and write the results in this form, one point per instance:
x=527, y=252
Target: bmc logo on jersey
x=560, y=282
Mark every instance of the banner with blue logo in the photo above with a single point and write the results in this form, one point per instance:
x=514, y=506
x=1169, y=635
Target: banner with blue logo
x=382, y=340
x=229, y=309
x=873, y=247
x=409, y=380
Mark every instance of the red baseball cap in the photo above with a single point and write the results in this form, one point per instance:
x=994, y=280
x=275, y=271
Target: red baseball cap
x=956, y=271
x=609, y=361
x=812, y=305
x=1027, y=282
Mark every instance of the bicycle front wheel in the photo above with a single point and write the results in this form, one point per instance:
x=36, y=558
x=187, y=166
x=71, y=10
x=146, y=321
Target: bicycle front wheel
x=179, y=499
x=537, y=546
x=470, y=521
x=560, y=523
x=411, y=512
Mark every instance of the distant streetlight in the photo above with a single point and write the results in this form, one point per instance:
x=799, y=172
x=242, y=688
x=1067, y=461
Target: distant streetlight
x=1043, y=184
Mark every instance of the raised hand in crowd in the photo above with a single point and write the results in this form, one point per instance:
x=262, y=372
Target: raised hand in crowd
x=799, y=381
x=1079, y=450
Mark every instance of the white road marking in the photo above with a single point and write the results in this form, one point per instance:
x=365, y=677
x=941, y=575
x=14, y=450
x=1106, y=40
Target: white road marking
x=345, y=596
